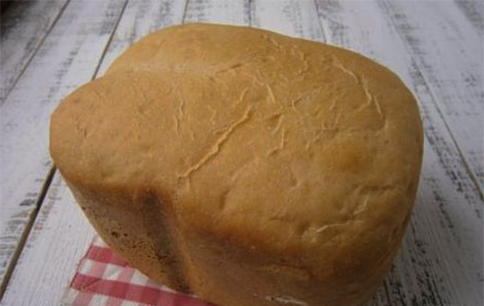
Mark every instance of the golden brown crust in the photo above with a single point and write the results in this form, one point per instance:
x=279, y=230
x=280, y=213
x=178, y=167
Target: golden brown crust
x=283, y=166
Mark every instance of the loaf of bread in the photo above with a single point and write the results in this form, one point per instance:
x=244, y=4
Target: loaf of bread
x=243, y=166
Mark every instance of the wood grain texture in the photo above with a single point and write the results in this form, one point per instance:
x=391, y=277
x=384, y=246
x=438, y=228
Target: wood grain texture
x=290, y=17
x=218, y=11
x=140, y=18
x=61, y=234
x=441, y=259
x=450, y=58
x=58, y=241
x=67, y=58
x=24, y=27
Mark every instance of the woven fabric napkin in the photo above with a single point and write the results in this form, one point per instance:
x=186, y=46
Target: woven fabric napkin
x=102, y=278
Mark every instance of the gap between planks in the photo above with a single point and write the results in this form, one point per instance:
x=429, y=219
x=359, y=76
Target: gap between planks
x=48, y=180
x=26, y=232
x=185, y=11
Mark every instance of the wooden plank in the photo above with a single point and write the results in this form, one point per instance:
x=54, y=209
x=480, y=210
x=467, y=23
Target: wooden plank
x=218, y=11
x=24, y=27
x=67, y=58
x=61, y=234
x=450, y=57
x=290, y=17
x=441, y=259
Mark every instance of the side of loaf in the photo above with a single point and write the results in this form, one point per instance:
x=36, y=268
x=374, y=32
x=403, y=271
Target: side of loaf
x=244, y=166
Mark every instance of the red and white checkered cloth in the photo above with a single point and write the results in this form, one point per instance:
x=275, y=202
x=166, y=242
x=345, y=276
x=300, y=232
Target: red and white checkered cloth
x=102, y=278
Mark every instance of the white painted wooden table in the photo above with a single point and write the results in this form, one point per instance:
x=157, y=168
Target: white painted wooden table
x=49, y=47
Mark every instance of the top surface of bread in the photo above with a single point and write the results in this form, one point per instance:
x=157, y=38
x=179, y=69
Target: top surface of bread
x=270, y=142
